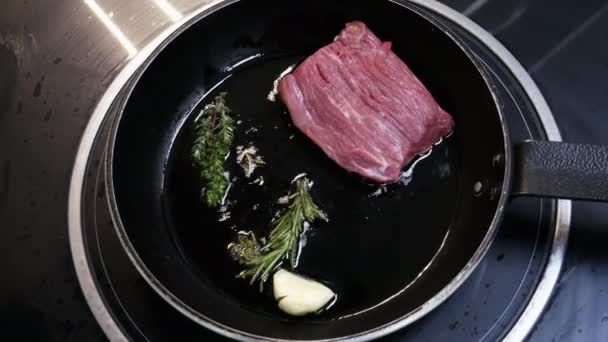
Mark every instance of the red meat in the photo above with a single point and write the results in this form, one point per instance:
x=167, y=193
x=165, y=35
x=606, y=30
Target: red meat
x=363, y=106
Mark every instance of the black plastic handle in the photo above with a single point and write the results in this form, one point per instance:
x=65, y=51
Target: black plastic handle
x=561, y=170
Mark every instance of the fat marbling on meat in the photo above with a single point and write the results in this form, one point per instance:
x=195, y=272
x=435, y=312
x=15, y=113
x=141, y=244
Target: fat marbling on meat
x=363, y=106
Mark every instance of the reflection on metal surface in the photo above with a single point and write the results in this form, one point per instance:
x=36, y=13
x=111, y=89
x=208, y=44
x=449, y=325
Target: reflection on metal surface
x=245, y=60
x=511, y=19
x=112, y=27
x=474, y=7
x=169, y=10
x=568, y=39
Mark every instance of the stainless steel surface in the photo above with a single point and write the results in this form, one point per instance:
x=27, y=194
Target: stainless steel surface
x=120, y=36
x=136, y=58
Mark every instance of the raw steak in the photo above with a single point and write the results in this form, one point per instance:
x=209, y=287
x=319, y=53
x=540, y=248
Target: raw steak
x=363, y=106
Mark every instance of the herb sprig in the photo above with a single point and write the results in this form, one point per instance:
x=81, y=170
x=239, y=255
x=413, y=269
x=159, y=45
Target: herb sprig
x=284, y=239
x=214, y=131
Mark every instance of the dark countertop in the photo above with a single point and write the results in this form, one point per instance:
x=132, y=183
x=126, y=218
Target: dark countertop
x=56, y=59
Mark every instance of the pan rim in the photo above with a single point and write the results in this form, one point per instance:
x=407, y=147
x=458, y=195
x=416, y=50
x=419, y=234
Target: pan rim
x=373, y=333
x=379, y=331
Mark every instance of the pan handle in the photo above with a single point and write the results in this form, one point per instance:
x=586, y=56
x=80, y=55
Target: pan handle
x=561, y=170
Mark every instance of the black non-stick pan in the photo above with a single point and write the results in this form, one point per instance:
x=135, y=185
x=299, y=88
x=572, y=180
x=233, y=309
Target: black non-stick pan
x=391, y=253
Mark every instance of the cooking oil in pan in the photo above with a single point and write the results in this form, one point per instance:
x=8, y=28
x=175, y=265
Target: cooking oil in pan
x=375, y=243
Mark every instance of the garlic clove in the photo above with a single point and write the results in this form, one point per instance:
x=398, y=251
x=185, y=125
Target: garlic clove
x=299, y=296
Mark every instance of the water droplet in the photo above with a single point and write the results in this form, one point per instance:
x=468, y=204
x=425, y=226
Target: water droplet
x=444, y=170
x=498, y=160
x=478, y=188
x=23, y=237
x=37, y=89
x=494, y=193
x=605, y=319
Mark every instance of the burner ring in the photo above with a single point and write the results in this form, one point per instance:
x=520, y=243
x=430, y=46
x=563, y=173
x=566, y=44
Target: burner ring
x=545, y=287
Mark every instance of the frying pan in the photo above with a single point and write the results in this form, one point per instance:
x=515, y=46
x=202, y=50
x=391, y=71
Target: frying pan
x=391, y=253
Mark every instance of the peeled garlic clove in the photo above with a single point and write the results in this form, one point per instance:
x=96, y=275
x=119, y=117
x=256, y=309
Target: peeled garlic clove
x=299, y=296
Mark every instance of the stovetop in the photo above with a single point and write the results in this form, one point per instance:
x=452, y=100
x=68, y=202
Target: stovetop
x=57, y=59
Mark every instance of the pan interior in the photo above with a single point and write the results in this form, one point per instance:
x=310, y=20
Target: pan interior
x=404, y=244
x=375, y=242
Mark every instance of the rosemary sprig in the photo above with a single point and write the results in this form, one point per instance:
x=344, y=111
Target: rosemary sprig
x=284, y=239
x=214, y=131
